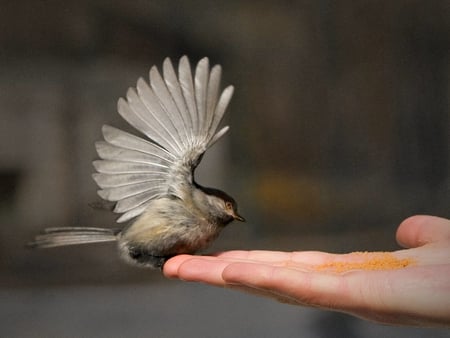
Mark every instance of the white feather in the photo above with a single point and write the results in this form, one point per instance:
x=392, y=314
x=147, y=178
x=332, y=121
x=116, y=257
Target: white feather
x=132, y=213
x=211, y=100
x=121, y=167
x=220, y=108
x=124, y=191
x=201, y=88
x=173, y=85
x=187, y=88
x=129, y=203
x=119, y=180
x=169, y=108
x=179, y=116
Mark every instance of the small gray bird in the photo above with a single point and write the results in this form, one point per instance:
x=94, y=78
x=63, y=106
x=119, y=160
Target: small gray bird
x=152, y=181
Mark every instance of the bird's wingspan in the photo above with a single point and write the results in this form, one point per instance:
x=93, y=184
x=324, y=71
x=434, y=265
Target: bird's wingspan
x=179, y=116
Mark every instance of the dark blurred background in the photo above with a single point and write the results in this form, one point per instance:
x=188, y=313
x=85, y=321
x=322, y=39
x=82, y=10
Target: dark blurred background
x=339, y=130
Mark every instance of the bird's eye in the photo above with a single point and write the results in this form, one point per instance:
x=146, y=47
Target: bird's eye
x=228, y=205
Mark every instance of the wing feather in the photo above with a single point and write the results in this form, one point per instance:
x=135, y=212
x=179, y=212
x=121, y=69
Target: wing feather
x=173, y=85
x=222, y=105
x=187, y=88
x=179, y=116
x=124, y=191
x=134, y=201
x=169, y=107
x=121, y=167
x=159, y=113
x=212, y=96
x=107, y=151
x=119, y=180
x=153, y=122
x=126, y=140
x=132, y=213
x=218, y=135
x=201, y=88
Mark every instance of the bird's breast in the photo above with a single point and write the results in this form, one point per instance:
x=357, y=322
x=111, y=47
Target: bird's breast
x=171, y=226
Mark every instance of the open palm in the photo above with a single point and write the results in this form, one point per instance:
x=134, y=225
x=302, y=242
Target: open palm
x=415, y=293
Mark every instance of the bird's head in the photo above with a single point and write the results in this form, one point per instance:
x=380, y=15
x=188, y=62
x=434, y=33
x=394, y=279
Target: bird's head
x=220, y=207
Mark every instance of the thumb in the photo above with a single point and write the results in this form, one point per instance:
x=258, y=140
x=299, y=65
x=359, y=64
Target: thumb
x=419, y=230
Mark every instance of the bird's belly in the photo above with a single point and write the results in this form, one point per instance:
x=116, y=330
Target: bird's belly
x=166, y=229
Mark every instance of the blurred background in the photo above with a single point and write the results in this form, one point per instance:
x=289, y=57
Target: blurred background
x=340, y=129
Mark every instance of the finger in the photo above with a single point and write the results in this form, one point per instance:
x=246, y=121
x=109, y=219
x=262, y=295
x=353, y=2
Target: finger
x=255, y=255
x=200, y=269
x=262, y=293
x=302, y=261
x=417, y=231
x=299, y=258
x=317, y=289
x=352, y=292
x=207, y=270
x=170, y=268
x=319, y=261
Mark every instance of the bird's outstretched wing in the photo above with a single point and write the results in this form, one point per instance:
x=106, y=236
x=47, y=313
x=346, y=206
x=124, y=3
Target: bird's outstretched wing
x=179, y=116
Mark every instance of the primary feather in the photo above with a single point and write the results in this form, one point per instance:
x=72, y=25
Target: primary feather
x=179, y=116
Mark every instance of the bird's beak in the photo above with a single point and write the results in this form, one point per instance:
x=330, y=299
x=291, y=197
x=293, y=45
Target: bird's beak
x=238, y=217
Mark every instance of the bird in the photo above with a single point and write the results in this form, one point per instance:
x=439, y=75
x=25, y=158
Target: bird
x=150, y=178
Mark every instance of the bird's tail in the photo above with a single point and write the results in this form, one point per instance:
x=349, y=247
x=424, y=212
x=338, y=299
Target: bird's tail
x=52, y=237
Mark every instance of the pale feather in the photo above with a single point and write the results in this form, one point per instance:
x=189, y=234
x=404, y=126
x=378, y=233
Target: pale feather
x=179, y=116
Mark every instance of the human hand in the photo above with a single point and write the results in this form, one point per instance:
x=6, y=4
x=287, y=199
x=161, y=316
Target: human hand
x=416, y=294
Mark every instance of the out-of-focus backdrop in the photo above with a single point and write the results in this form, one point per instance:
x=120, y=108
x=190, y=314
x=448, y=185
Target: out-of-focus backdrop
x=339, y=131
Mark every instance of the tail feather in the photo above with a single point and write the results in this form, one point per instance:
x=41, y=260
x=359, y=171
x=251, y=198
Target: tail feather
x=53, y=237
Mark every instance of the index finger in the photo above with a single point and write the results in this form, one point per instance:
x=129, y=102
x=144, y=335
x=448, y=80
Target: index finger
x=307, y=258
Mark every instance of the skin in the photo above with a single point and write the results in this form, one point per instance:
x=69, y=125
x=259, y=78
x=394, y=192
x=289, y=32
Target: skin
x=417, y=295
